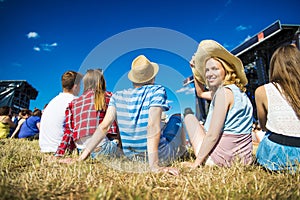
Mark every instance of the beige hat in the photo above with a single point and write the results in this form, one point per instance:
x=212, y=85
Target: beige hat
x=210, y=48
x=142, y=70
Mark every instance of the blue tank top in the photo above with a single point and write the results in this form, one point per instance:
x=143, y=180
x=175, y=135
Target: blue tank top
x=239, y=118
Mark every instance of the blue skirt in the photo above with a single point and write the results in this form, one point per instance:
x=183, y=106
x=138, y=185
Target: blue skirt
x=274, y=156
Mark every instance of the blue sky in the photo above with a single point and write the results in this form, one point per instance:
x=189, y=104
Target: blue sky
x=41, y=39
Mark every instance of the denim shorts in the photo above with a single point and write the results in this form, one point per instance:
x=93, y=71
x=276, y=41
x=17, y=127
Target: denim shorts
x=108, y=148
x=274, y=156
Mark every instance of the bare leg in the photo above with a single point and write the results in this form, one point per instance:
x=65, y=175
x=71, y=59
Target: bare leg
x=183, y=137
x=195, y=132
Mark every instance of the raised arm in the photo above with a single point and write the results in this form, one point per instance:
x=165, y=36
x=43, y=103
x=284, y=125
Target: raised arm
x=201, y=92
x=199, y=87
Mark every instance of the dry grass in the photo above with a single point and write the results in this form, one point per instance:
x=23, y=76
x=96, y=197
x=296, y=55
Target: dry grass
x=27, y=174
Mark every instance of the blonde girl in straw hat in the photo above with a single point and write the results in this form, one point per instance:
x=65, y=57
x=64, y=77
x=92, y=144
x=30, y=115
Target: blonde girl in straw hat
x=226, y=134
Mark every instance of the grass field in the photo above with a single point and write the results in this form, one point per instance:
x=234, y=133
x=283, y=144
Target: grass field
x=28, y=174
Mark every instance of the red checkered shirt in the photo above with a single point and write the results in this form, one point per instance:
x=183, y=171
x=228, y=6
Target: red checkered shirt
x=82, y=120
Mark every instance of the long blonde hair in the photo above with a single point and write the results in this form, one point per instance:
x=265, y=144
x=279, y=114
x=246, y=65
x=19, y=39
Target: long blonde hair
x=94, y=80
x=285, y=70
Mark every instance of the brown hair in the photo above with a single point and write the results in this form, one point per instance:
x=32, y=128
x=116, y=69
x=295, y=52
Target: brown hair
x=37, y=112
x=25, y=112
x=285, y=70
x=94, y=80
x=69, y=79
x=4, y=110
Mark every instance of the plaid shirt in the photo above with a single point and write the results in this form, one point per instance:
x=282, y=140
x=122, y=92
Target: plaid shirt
x=82, y=120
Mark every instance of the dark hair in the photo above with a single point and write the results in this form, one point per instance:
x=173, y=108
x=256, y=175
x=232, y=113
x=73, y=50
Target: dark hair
x=25, y=112
x=37, y=112
x=70, y=78
x=4, y=110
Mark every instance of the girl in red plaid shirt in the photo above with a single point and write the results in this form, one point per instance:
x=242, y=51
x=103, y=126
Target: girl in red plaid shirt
x=84, y=114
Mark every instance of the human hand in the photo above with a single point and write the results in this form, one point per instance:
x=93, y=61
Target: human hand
x=192, y=61
x=51, y=158
x=67, y=160
x=171, y=170
x=191, y=165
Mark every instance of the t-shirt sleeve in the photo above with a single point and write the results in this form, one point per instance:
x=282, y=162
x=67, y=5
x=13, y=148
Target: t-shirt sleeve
x=112, y=101
x=159, y=98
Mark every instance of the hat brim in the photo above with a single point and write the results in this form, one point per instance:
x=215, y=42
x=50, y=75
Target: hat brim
x=134, y=80
x=209, y=49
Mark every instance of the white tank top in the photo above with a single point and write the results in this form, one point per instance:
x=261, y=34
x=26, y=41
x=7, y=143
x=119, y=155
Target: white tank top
x=281, y=117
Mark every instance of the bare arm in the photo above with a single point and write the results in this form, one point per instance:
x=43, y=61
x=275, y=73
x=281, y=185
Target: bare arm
x=38, y=125
x=200, y=90
x=18, y=128
x=223, y=101
x=100, y=132
x=261, y=102
x=153, y=138
x=8, y=121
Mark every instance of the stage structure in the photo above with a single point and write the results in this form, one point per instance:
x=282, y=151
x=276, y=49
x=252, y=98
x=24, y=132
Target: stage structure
x=16, y=94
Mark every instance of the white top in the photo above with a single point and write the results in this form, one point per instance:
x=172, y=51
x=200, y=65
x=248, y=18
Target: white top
x=52, y=122
x=281, y=117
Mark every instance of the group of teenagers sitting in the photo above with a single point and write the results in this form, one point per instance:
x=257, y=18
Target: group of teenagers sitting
x=128, y=122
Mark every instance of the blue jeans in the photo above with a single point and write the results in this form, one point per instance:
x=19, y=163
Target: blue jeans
x=108, y=148
x=171, y=146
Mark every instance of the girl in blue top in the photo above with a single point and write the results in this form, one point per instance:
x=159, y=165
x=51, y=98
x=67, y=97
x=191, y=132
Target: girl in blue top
x=31, y=127
x=226, y=135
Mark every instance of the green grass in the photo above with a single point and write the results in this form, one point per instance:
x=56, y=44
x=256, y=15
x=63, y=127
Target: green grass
x=28, y=174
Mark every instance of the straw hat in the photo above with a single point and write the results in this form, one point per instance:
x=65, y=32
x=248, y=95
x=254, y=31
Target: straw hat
x=210, y=48
x=142, y=70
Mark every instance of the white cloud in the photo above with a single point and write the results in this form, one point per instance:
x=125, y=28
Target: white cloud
x=32, y=35
x=226, y=46
x=247, y=38
x=54, y=44
x=169, y=101
x=186, y=90
x=242, y=28
x=35, y=48
x=16, y=64
x=45, y=47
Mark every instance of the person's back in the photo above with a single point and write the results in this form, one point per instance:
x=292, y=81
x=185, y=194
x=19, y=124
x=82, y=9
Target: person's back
x=31, y=126
x=281, y=116
x=52, y=121
x=132, y=108
x=278, y=111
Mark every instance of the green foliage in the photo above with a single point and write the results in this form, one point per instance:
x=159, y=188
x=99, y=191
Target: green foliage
x=28, y=174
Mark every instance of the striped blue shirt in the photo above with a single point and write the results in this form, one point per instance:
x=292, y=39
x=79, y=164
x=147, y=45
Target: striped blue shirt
x=132, y=108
